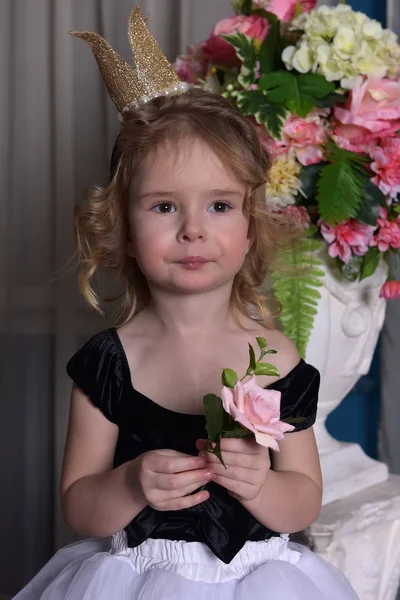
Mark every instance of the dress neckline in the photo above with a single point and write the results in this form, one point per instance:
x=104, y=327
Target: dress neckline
x=128, y=375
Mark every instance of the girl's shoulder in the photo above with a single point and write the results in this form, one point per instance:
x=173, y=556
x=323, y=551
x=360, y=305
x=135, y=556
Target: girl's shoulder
x=298, y=381
x=287, y=356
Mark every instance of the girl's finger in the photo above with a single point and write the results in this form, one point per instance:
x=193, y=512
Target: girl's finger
x=175, y=464
x=201, y=444
x=235, y=459
x=243, y=445
x=185, y=501
x=176, y=481
x=240, y=488
x=237, y=473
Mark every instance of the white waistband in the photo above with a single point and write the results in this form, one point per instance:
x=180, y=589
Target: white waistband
x=195, y=561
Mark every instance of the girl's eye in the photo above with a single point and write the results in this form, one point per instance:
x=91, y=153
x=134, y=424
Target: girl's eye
x=221, y=207
x=164, y=207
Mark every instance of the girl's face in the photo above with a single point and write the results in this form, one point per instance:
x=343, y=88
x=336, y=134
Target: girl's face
x=188, y=229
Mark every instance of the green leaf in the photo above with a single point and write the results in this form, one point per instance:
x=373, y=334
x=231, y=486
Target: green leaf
x=270, y=53
x=312, y=84
x=239, y=432
x=297, y=92
x=229, y=378
x=266, y=369
x=253, y=362
x=296, y=278
x=352, y=269
x=217, y=450
x=280, y=81
x=246, y=51
x=331, y=100
x=256, y=103
x=262, y=343
x=271, y=17
x=373, y=199
x=271, y=352
x=247, y=7
x=308, y=179
x=370, y=263
x=341, y=185
x=298, y=9
x=396, y=209
x=214, y=413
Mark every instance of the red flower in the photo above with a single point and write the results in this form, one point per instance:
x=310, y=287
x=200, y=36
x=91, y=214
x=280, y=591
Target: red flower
x=390, y=290
x=218, y=51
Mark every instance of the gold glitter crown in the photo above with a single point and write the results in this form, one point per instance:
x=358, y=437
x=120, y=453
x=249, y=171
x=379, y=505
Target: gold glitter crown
x=128, y=86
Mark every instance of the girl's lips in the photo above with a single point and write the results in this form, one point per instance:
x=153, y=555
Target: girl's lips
x=192, y=266
x=193, y=259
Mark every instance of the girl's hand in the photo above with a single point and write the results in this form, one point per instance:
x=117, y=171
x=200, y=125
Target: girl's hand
x=167, y=478
x=247, y=466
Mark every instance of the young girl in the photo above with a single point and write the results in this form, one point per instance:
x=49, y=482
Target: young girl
x=183, y=220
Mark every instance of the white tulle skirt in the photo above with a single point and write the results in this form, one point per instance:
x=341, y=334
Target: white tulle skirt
x=177, y=570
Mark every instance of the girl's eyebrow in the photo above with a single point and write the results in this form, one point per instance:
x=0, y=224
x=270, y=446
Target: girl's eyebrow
x=215, y=193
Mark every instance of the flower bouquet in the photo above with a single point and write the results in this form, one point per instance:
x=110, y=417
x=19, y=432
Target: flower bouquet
x=323, y=88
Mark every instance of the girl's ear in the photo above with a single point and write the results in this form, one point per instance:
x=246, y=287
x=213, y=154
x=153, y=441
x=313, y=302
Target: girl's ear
x=249, y=244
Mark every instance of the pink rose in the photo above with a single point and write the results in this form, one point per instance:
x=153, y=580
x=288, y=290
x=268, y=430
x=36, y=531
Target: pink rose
x=388, y=233
x=305, y=136
x=219, y=52
x=350, y=236
x=300, y=213
x=192, y=65
x=256, y=409
x=386, y=165
x=285, y=9
x=390, y=290
x=372, y=111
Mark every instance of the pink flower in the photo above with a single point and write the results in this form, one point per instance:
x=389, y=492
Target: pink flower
x=219, y=52
x=274, y=147
x=305, y=135
x=192, y=65
x=350, y=236
x=372, y=111
x=388, y=234
x=386, y=165
x=284, y=9
x=256, y=409
x=390, y=290
x=300, y=213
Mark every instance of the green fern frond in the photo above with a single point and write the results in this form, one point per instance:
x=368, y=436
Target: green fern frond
x=296, y=279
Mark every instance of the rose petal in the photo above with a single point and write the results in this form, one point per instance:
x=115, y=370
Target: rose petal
x=267, y=441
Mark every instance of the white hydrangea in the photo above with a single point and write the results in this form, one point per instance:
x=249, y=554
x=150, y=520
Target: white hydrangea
x=341, y=44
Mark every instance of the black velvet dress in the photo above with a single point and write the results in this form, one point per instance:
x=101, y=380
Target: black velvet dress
x=101, y=370
x=213, y=551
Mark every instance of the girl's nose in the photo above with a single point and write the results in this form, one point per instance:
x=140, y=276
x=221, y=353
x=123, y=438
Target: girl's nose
x=192, y=229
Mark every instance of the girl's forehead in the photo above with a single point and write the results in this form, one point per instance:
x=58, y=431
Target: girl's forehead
x=172, y=159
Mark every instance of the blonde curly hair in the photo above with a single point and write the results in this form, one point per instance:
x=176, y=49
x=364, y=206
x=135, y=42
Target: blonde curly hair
x=101, y=222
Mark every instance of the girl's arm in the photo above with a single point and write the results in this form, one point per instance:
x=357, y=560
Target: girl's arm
x=97, y=500
x=290, y=499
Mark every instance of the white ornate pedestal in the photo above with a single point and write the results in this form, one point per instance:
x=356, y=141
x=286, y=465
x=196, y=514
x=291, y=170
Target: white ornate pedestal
x=346, y=329
x=360, y=535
